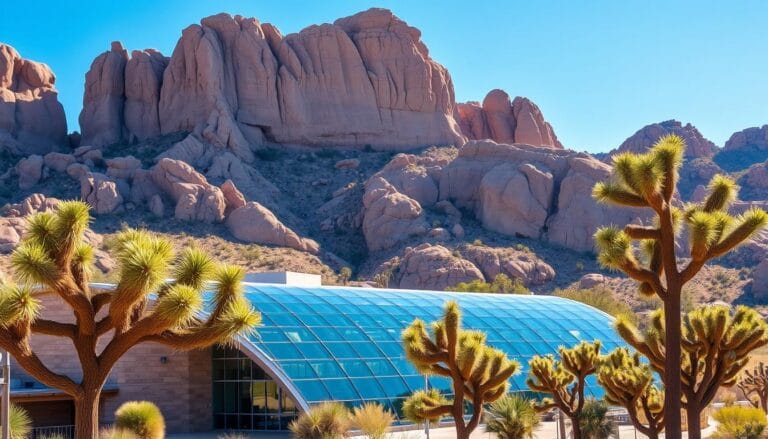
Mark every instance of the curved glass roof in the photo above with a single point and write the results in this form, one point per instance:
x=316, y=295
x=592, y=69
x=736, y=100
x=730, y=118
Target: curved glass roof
x=343, y=344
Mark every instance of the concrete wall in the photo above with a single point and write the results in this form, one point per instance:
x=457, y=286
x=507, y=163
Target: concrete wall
x=181, y=386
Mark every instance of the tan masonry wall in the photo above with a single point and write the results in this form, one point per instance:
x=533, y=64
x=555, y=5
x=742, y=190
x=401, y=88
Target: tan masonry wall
x=178, y=382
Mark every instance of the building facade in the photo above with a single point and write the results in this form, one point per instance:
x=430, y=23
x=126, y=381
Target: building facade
x=316, y=344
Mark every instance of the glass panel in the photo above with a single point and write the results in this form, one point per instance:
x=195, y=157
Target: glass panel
x=312, y=390
x=258, y=389
x=273, y=399
x=355, y=368
x=368, y=388
x=244, y=396
x=341, y=390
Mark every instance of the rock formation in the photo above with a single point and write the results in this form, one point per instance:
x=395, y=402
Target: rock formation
x=752, y=138
x=517, y=190
x=365, y=80
x=255, y=223
x=506, y=121
x=696, y=144
x=744, y=148
x=31, y=118
x=433, y=267
x=121, y=96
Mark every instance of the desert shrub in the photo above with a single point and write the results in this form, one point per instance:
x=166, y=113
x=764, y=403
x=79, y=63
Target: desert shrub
x=512, y=417
x=601, y=298
x=329, y=420
x=345, y=274
x=736, y=422
x=372, y=419
x=142, y=418
x=231, y=436
x=501, y=284
x=19, y=421
x=594, y=421
x=523, y=248
x=728, y=398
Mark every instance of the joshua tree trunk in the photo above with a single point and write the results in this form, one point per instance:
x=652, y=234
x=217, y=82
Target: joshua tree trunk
x=672, y=383
x=87, y=415
x=575, y=429
x=694, y=421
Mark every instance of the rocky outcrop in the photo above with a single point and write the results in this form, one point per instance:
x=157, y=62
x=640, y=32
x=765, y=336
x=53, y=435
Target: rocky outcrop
x=506, y=121
x=755, y=138
x=100, y=192
x=365, y=80
x=433, y=267
x=121, y=96
x=255, y=223
x=195, y=198
x=30, y=171
x=516, y=264
x=760, y=281
x=32, y=120
x=696, y=144
x=390, y=217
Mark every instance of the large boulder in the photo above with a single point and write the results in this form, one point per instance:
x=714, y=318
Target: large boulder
x=696, y=144
x=760, y=281
x=32, y=120
x=30, y=171
x=506, y=121
x=143, y=81
x=255, y=223
x=390, y=217
x=195, y=198
x=100, y=192
x=433, y=267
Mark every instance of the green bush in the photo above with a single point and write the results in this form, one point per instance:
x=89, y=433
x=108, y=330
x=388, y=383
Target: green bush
x=594, y=421
x=736, y=422
x=142, y=418
x=329, y=420
x=501, y=284
x=372, y=419
x=19, y=421
x=512, y=417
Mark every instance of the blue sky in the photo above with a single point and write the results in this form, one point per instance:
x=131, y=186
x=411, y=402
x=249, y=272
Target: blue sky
x=598, y=69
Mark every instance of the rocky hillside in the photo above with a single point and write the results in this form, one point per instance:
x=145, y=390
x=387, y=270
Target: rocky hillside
x=341, y=145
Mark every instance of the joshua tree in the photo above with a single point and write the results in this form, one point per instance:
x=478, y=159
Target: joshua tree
x=629, y=383
x=754, y=385
x=478, y=372
x=54, y=258
x=716, y=346
x=649, y=181
x=565, y=379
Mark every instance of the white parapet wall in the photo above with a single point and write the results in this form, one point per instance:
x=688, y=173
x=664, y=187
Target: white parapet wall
x=285, y=278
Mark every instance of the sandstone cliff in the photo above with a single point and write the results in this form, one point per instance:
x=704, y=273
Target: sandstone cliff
x=31, y=117
x=365, y=80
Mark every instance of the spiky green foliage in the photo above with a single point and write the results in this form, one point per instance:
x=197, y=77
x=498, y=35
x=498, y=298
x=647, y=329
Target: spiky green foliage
x=478, y=372
x=419, y=407
x=144, y=305
x=19, y=422
x=141, y=418
x=329, y=420
x=739, y=422
x=372, y=419
x=512, y=417
x=594, y=422
x=754, y=384
x=649, y=181
x=116, y=433
x=564, y=379
x=716, y=346
x=628, y=383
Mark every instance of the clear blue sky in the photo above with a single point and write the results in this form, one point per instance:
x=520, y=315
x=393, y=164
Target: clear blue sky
x=599, y=69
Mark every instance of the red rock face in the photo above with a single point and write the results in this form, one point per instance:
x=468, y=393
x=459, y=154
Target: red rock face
x=31, y=118
x=363, y=80
x=506, y=121
x=696, y=144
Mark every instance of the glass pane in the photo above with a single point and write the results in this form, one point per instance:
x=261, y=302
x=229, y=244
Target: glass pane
x=273, y=399
x=298, y=369
x=232, y=368
x=244, y=397
x=341, y=390
x=258, y=389
x=218, y=370
x=368, y=388
x=245, y=369
x=230, y=395
x=327, y=369
x=355, y=368
x=313, y=390
x=287, y=404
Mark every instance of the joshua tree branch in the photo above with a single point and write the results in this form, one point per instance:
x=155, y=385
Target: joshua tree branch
x=50, y=327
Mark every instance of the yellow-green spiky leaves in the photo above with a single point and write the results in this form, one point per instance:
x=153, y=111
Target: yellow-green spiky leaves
x=143, y=262
x=238, y=318
x=722, y=192
x=41, y=229
x=614, y=247
x=702, y=232
x=743, y=228
x=193, y=268
x=429, y=405
x=17, y=305
x=32, y=263
x=178, y=305
x=606, y=192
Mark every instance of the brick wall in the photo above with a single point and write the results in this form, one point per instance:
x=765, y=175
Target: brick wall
x=180, y=386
